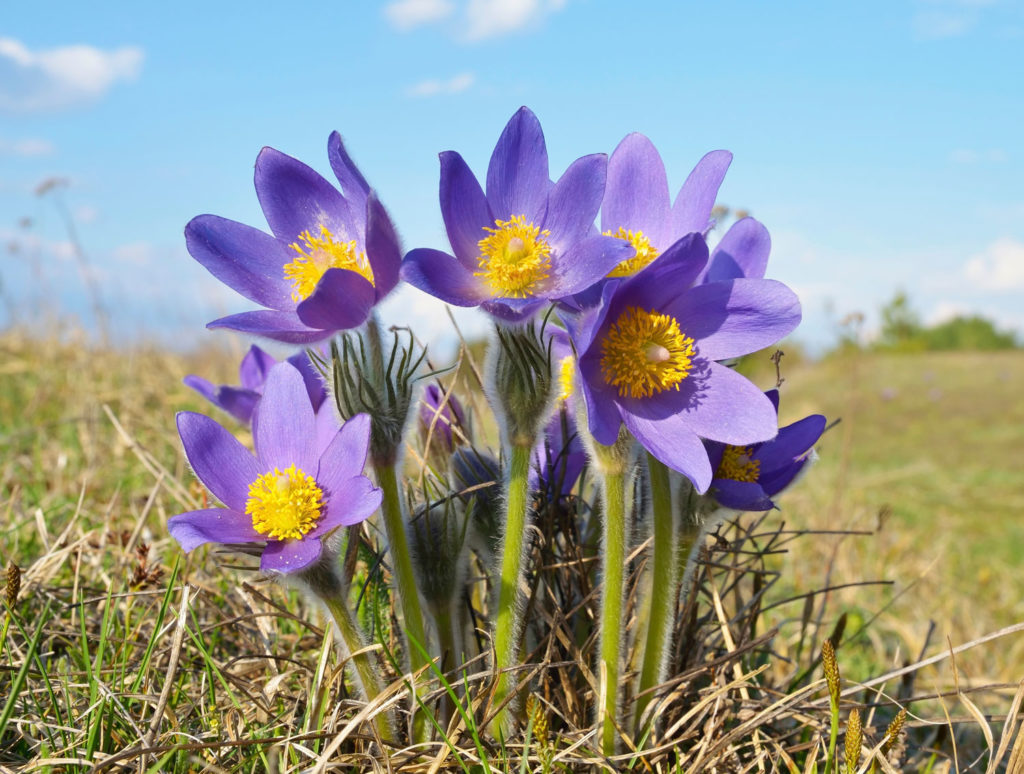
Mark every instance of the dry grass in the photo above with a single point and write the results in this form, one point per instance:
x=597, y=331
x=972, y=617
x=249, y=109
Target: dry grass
x=121, y=654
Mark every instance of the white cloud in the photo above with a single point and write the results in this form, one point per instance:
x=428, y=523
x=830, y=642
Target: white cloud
x=428, y=319
x=136, y=253
x=944, y=311
x=60, y=78
x=1000, y=267
x=970, y=156
x=31, y=146
x=941, y=19
x=939, y=25
x=86, y=213
x=406, y=14
x=431, y=88
x=490, y=18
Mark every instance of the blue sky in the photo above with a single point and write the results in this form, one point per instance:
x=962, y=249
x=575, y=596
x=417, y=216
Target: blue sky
x=879, y=142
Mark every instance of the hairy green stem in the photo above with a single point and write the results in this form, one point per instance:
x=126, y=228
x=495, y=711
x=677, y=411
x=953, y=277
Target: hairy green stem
x=405, y=578
x=663, y=584
x=507, y=618
x=363, y=669
x=451, y=652
x=613, y=561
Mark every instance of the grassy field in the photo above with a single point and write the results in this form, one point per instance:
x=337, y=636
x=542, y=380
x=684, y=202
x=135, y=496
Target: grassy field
x=928, y=461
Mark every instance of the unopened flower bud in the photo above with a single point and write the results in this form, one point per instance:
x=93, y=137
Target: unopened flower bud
x=521, y=385
x=442, y=421
x=438, y=535
x=366, y=380
x=476, y=478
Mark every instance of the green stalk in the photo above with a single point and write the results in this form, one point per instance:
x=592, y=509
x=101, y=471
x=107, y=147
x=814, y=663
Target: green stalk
x=405, y=577
x=613, y=571
x=448, y=640
x=663, y=584
x=507, y=619
x=363, y=671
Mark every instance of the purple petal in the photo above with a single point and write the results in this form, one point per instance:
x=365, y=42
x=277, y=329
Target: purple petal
x=741, y=495
x=440, y=275
x=212, y=525
x=662, y=284
x=695, y=200
x=242, y=257
x=773, y=396
x=672, y=442
x=729, y=319
x=345, y=456
x=255, y=366
x=280, y=326
x=203, y=386
x=327, y=426
x=584, y=264
x=295, y=198
x=743, y=252
x=513, y=310
x=285, y=431
x=637, y=197
x=603, y=416
x=224, y=466
x=342, y=300
x=464, y=209
x=314, y=381
x=238, y=403
x=776, y=481
x=574, y=201
x=353, y=184
x=517, y=176
x=792, y=442
x=287, y=556
x=351, y=501
x=717, y=404
x=382, y=248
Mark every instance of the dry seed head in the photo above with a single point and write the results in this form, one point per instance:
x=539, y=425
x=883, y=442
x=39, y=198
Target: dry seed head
x=892, y=733
x=854, y=738
x=828, y=660
x=13, y=585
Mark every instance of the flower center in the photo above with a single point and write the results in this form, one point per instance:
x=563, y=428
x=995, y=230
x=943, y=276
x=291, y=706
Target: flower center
x=317, y=254
x=284, y=504
x=515, y=257
x=566, y=371
x=737, y=465
x=645, y=252
x=644, y=353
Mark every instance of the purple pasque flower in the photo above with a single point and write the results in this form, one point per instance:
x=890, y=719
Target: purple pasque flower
x=292, y=493
x=748, y=477
x=241, y=401
x=331, y=256
x=527, y=240
x=440, y=416
x=637, y=208
x=559, y=457
x=648, y=352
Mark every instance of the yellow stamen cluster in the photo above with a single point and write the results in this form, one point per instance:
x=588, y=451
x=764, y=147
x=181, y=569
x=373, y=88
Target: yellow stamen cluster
x=284, y=504
x=645, y=252
x=645, y=353
x=566, y=372
x=515, y=258
x=317, y=254
x=736, y=465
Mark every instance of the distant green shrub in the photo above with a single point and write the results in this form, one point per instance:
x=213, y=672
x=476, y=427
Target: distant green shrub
x=903, y=331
